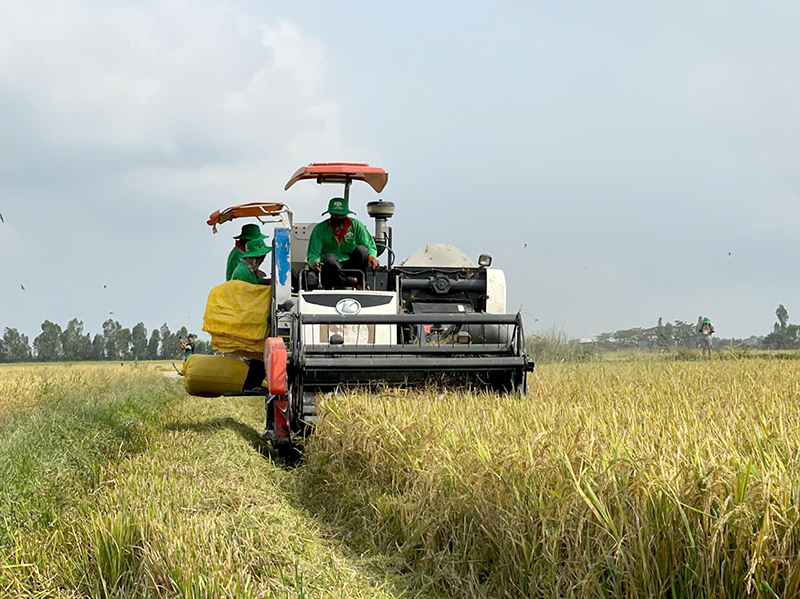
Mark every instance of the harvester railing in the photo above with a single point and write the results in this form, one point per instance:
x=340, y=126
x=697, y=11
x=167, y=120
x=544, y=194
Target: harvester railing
x=417, y=364
x=423, y=318
x=475, y=345
x=407, y=348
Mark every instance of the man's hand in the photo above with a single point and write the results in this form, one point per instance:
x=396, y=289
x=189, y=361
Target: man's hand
x=315, y=266
x=373, y=262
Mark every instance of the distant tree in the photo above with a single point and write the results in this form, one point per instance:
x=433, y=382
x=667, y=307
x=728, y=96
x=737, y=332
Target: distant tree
x=774, y=340
x=85, y=347
x=793, y=335
x=124, y=342
x=668, y=333
x=75, y=345
x=139, y=341
x=4, y=351
x=203, y=347
x=629, y=337
x=47, y=345
x=181, y=333
x=169, y=344
x=110, y=330
x=662, y=337
x=783, y=317
x=783, y=335
x=604, y=339
x=98, y=348
x=684, y=334
x=17, y=347
x=152, y=345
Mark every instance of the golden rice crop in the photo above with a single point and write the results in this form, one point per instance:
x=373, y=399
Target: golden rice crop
x=611, y=480
x=26, y=385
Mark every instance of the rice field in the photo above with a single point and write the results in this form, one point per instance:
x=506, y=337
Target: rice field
x=631, y=479
x=642, y=479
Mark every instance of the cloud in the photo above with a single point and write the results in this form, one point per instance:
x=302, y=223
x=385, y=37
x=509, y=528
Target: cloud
x=124, y=125
x=9, y=242
x=167, y=96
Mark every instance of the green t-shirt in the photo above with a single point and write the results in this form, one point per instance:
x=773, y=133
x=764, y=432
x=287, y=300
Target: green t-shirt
x=323, y=241
x=234, y=259
x=242, y=273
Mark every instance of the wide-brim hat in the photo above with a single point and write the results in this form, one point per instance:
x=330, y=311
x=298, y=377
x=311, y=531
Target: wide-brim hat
x=250, y=232
x=256, y=248
x=706, y=319
x=339, y=207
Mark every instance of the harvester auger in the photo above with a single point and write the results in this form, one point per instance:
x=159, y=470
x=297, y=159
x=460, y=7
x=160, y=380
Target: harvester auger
x=436, y=316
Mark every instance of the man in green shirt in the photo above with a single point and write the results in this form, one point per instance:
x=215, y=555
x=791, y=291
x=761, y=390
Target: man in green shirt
x=248, y=268
x=340, y=243
x=249, y=233
x=187, y=347
x=248, y=271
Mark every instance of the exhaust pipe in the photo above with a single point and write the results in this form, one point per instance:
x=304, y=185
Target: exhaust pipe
x=382, y=211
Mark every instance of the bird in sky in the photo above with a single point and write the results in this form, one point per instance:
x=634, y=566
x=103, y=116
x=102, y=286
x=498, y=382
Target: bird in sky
x=524, y=245
x=104, y=286
x=2, y=220
x=21, y=286
x=110, y=312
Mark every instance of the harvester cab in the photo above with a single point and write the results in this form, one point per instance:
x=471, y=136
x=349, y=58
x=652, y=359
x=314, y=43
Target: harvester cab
x=436, y=316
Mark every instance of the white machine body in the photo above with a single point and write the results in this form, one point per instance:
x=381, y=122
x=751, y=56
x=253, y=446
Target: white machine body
x=349, y=303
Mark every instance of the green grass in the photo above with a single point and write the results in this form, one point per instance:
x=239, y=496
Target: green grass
x=131, y=489
x=555, y=346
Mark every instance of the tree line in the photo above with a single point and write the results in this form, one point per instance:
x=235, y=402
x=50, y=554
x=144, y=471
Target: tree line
x=681, y=333
x=72, y=344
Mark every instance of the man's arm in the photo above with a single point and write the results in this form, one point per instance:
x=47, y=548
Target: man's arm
x=364, y=237
x=314, y=253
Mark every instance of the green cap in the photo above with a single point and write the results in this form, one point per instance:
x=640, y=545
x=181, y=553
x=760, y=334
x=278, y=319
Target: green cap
x=338, y=206
x=256, y=248
x=249, y=233
x=706, y=319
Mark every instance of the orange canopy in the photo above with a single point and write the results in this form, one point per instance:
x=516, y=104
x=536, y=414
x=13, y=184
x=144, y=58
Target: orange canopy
x=253, y=209
x=342, y=172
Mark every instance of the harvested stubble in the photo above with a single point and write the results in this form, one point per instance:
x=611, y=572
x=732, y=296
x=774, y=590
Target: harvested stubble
x=117, y=485
x=610, y=480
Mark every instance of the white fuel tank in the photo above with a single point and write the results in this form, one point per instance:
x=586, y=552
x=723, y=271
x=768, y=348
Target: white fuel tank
x=439, y=254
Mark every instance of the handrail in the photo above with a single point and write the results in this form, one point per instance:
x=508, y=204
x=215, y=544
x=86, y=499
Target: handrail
x=402, y=319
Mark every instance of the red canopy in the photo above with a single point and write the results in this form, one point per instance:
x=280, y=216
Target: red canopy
x=342, y=172
x=244, y=210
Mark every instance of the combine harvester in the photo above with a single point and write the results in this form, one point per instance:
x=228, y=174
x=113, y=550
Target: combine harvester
x=436, y=316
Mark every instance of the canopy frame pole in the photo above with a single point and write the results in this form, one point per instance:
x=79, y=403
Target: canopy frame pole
x=347, y=183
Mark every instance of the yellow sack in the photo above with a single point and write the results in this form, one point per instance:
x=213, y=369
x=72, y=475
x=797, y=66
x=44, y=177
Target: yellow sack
x=237, y=317
x=246, y=349
x=212, y=376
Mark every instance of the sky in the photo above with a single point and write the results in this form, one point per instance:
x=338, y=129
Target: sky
x=621, y=161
